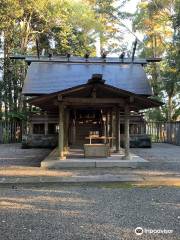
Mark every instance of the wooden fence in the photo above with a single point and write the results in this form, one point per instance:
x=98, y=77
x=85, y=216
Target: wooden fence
x=162, y=132
x=11, y=131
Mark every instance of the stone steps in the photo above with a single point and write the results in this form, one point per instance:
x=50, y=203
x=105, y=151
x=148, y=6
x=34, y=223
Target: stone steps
x=77, y=161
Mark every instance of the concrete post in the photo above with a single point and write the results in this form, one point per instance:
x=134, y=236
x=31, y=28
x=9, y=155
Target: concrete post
x=61, y=131
x=127, y=138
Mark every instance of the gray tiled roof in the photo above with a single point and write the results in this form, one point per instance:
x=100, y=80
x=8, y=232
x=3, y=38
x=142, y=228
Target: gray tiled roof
x=49, y=77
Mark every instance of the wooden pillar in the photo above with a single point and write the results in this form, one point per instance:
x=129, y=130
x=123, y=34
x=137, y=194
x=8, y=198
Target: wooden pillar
x=46, y=128
x=127, y=138
x=66, y=130
x=104, y=125
x=118, y=130
x=114, y=129
x=110, y=125
x=61, y=131
x=74, y=128
x=107, y=125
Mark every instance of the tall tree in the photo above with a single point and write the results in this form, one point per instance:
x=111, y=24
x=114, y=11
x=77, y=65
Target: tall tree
x=156, y=19
x=67, y=23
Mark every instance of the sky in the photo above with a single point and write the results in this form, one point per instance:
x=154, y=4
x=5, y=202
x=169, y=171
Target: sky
x=129, y=38
x=130, y=7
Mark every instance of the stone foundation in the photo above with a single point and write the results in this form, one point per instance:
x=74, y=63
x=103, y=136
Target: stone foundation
x=96, y=150
x=39, y=141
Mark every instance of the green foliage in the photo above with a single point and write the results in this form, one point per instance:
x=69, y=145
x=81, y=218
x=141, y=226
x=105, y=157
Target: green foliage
x=159, y=22
x=11, y=86
x=72, y=25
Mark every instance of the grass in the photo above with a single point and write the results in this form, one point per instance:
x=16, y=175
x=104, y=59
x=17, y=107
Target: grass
x=115, y=185
x=52, y=185
x=109, y=185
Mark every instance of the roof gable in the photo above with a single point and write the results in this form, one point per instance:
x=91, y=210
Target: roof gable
x=83, y=95
x=47, y=77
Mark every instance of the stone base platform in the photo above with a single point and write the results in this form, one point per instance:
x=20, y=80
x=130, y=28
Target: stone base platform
x=96, y=150
x=75, y=159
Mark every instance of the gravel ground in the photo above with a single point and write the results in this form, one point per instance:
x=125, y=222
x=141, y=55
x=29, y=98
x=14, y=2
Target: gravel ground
x=81, y=212
x=13, y=155
x=162, y=156
x=159, y=152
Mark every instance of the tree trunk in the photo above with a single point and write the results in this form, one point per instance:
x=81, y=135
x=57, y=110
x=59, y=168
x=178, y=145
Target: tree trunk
x=1, y=102
x=170, y=108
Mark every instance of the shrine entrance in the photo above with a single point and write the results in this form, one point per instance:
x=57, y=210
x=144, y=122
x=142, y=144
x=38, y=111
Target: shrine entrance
x=86, y=122
x=90, y=126
x=92, y=114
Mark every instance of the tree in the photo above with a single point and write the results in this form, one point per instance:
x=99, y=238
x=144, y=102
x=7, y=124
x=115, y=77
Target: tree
x=75, y=33
x=108, y=13
x=156, y=20
x=69, y=24
x=171, y=68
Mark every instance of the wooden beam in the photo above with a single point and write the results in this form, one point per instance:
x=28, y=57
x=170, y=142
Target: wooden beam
x=90, y=105
x=94, y=100
x=72, y=90
x=94, y=92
